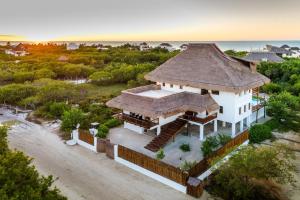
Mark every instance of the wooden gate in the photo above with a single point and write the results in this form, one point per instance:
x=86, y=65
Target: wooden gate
x=86, y=137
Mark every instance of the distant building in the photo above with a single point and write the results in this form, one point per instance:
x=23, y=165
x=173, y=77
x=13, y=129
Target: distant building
x=263, y=56
x=166, y=46
x=183, y=47
x=72, y=46
x=63, y=59
x=19, y=50
x=282, y=52
x=144, y=46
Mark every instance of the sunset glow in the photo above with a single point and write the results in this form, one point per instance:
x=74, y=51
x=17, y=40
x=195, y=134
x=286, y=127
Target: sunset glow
x=169, y=20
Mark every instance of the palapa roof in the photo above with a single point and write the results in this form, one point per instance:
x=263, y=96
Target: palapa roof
x=166, y=106
x=277, y=50
x=263, y=56
x=205, y=66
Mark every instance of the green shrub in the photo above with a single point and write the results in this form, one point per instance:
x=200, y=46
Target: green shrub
x=259, y=133
x=187, y=165
x=273, y=124
x=223, y=139
x=185, y=147
x=58, y=109
x=209, y=145
x=102, y=131
x=160, y=154
x=111, y=123
x=71, y=118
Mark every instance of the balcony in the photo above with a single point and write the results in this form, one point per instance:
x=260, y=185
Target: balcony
x=136, y=121
x=257, y=107
x=198, y=119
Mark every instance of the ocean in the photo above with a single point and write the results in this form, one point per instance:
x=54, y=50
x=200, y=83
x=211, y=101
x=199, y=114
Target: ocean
x=224, y=45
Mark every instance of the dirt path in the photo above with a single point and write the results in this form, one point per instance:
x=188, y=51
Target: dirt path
x=82, y=173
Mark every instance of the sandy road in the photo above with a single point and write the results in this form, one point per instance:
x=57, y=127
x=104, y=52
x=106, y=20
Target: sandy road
x=83, y=174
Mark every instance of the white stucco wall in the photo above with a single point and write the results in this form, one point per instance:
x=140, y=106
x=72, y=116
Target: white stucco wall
x=230, y=101
x=260, y=115
x=134, y=128
x=163, y=120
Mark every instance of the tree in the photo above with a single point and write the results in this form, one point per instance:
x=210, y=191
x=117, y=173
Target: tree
x=71, y=118
x=44, y=73
x=284, y=109
x=247, y=174
x=19, y=179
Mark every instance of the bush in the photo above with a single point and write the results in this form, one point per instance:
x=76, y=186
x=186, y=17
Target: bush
x=160, y=154
x=71, y=118
x=111, y=123
x=187, y=165
x=58, y=109
x=259, y=133
x=102, y=131
x=209, y=145
x=223, y=139
x=273, y=124
x=185, y=147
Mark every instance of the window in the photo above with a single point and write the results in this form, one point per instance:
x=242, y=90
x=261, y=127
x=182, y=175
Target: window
x=164, y=84
x=204, y=91
x=249, y=106
x=215, y=92
x=171, y=85
x=245, y=108
x=221, y=109
x=240, y=110
x=180, y=86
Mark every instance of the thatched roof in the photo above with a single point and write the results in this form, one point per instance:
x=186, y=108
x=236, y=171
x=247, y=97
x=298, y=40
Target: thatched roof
x=206, y=66
x=166, y=106
x=263, y=56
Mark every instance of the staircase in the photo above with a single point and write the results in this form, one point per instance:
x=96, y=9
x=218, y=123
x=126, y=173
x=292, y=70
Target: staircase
x=167, y=132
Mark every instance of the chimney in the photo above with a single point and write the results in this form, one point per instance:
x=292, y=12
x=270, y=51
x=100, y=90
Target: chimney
x=252, y=67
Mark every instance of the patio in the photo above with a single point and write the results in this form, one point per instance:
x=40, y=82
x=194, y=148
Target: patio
x=173, y=154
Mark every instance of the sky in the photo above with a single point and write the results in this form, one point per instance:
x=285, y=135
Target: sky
x=149, y=20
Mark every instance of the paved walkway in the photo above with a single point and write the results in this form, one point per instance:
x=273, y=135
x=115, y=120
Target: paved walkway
x=83, y=174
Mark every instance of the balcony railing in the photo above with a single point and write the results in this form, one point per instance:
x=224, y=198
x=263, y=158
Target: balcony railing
x=136, y=121
x=257, y=107
x=198, y=119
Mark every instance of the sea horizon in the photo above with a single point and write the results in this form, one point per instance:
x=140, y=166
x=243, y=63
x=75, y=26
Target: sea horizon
x=251, y=45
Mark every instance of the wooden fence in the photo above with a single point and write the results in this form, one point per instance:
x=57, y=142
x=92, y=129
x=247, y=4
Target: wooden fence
x=86, y=136
x=204, y=164
x=153, y=165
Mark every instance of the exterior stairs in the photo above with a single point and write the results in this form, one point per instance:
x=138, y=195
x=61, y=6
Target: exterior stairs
x=168, y=131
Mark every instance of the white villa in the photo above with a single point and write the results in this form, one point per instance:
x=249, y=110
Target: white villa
x=72, y=46
x=167, y=46
x=18, y=50
x=199, y=86
x=144, y=46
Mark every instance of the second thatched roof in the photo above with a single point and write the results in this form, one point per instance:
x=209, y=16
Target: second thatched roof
x=206, y=66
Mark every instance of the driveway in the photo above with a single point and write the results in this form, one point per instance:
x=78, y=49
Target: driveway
x=81, y=173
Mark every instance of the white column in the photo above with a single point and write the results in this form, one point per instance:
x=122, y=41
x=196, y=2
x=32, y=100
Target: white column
x=215, y=125
x=158, y=130
x=241, y=125
x=248, y=121
x=232, y=129
x=223, y=124
x=201, y=136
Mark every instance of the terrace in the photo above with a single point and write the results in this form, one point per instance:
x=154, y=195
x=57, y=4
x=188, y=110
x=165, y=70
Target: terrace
x=173, y=154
